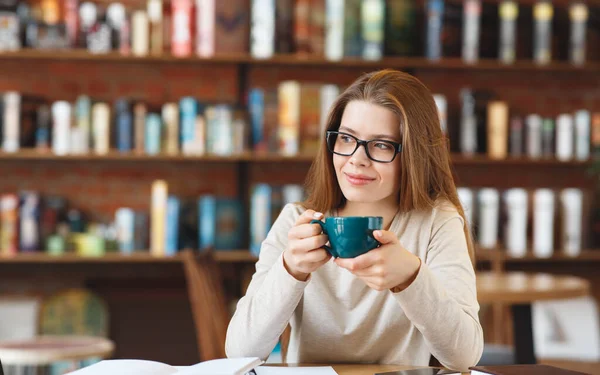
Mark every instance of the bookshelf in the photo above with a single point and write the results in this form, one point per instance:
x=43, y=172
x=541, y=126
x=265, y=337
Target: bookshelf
x=143, y=275
x=292, y=60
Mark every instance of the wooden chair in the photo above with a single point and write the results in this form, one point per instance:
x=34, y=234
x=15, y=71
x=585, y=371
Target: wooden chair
x=207, y=299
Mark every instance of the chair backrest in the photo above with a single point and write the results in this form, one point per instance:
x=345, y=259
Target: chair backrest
x=207, y=299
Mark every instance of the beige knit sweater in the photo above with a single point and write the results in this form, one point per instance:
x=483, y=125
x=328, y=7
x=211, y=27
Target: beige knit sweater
x=335, y=317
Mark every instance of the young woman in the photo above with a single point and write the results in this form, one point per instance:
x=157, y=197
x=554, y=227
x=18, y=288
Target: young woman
x=412, y=297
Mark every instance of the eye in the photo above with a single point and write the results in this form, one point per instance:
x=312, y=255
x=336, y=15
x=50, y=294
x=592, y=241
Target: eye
x=384, y=146
x=346, y=138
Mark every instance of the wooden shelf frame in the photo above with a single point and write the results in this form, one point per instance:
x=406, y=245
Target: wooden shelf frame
x=255, y=157
x=412, y=63
x=244, y=256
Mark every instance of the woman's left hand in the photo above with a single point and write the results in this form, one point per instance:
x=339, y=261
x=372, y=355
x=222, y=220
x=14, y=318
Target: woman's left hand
x=389, y=266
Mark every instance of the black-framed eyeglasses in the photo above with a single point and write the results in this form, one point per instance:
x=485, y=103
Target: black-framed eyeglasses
x=379, y=150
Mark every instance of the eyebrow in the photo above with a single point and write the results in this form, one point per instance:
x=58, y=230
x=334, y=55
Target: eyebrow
x=373, y=136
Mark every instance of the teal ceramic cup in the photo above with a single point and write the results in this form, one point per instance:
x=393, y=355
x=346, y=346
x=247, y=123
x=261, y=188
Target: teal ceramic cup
x=350, y=236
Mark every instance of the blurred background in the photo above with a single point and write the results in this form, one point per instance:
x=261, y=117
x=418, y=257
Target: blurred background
x=132, y=131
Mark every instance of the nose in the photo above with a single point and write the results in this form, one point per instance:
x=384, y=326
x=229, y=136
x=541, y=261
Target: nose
x=360, y=157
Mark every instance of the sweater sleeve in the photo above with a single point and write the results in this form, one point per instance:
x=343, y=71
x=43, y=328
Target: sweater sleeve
x=272, y=296
x=442, y=300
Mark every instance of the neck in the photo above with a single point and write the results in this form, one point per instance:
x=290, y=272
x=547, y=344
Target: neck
x=384, y=208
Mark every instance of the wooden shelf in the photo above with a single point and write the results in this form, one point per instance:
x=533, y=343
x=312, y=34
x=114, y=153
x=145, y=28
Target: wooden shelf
x=230, y=256
x=451, y=63
x=557, y=257
x=457, y=159
x=244, y=256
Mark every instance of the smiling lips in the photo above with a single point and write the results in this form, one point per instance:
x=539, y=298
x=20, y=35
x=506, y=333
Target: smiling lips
x=358, y=179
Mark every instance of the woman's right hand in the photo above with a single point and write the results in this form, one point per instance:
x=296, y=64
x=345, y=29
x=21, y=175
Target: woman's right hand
x=305, y=252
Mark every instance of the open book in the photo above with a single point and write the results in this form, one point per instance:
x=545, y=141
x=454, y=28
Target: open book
x=225, y=366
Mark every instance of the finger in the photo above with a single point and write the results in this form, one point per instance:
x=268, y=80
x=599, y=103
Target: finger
x=312, y=243
x=317, y=256
x=307, y=216
x=304, y=231
x=376, y=270
x=385, y=236
x=360, y=262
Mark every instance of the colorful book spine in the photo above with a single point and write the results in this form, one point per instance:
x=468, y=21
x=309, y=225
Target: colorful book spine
x=595, y=128
x=282, y=27
x=373, y=26
x=101, y=128
x=229, y=226
x=181, y=37
x=516, y=136
x=220, y=130
x=139, y=124
x=262, y=29
x=508, y=12
x=188, y=108
x=310, y=115
x=140, y=39
x=292, y=193
x=470, y=37
x=140, y=233
x=12, y=120
x=260, y=216
x=468, y=123
x=159, y=214
x=9, y=217
x=124, y=125
x=83, y=116
x=564, y=137
x=61, y=118
x=205, y=28
x=334, y=30
x=548, y=137
x=155, y=21
x=29, y=222
x=317, y=27
x=400, y=27
x=207, y=222
x=582, y=135
x=353, y=42
x=328, y=95
x=434, y=24
x=543, y=13
x=170, y=115
x=256, y=109
x=534, y=136
x=153, y=134
x=289, y=117
x=302, y=26
x=172, y=226
x=125, y=224
x=578, y=13
x=42, y=131
x=497, y=129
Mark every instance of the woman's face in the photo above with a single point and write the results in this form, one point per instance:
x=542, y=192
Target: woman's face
x=361, y=179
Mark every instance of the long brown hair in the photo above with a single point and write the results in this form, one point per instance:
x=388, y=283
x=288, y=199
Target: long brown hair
x=426, y=175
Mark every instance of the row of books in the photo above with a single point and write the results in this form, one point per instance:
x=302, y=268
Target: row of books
x=335, y=29
x=289, y=120
x=187, y=127
x=207, y=221
x=31, y=222
x=524, y=219
x=489, y=127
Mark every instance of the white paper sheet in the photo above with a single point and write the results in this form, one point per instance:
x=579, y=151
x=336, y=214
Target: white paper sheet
x=272, y=370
